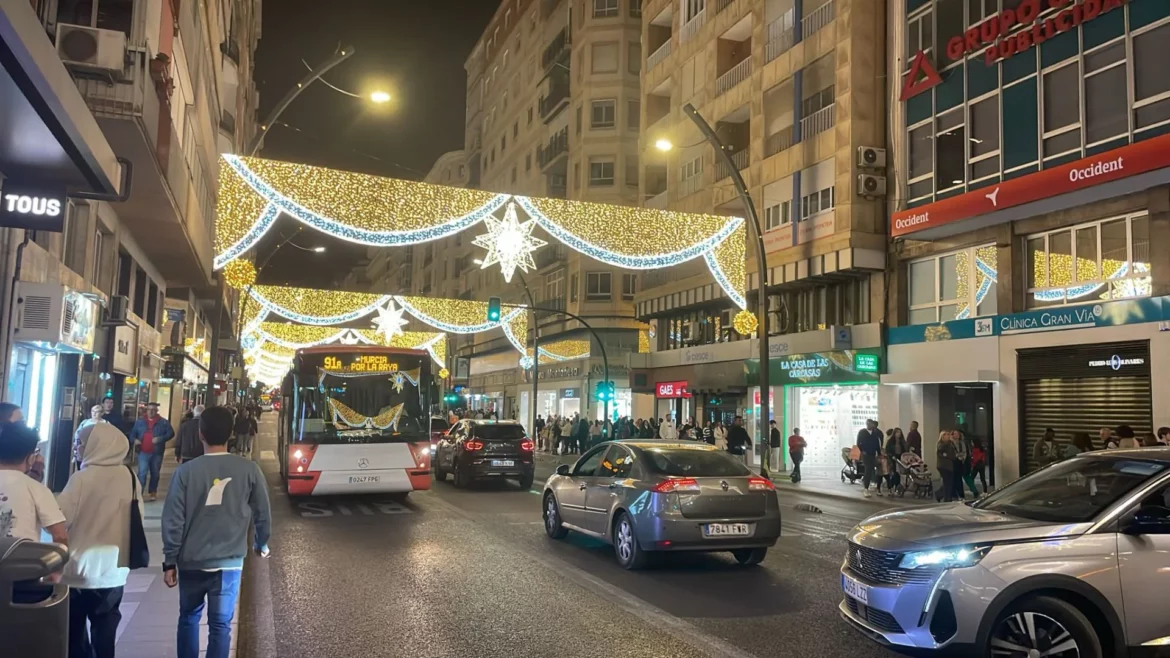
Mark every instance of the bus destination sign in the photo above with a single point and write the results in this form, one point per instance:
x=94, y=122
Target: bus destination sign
x=361, y=363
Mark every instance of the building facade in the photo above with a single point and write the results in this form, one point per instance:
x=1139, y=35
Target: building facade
x=794, y=91
x=1033, y=178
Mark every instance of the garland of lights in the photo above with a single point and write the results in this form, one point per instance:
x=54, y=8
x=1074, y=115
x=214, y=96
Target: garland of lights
x=386, y=420
x=283, y=340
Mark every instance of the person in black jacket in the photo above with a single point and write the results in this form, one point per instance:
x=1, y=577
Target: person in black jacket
x=245, y=429
x=869, y=440
x=738, y=441
x=188, y=445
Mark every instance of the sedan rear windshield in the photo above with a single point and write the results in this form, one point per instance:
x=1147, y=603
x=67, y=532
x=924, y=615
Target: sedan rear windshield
x=496, y=432
x=694, y=463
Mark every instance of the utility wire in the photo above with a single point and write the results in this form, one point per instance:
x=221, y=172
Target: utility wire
x=333, y=143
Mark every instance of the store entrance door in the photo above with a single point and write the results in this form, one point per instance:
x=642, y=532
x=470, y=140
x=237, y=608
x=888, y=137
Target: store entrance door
x=968, y=407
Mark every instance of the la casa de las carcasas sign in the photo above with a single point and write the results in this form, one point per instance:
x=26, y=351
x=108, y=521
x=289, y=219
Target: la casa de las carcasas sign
x=1014, y=31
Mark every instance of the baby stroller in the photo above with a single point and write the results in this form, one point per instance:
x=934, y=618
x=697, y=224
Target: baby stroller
x=852, y=470
x=914, y=477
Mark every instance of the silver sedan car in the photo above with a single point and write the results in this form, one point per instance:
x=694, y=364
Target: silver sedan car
x=650, y=496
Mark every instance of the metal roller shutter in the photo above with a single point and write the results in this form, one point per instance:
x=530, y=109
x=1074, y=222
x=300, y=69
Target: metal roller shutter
x=1082, y=405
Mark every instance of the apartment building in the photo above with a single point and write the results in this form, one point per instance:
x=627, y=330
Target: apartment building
x=795, y=90
x=1033, y=160
x=111, y=296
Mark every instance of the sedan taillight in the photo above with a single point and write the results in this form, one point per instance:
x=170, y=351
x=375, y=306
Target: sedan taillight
x=672, y=485
x=756, y=483
x=472, y=446
x=527, y=445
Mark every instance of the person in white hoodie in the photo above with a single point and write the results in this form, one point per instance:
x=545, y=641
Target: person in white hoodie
x=96, y=503
x=667, y=431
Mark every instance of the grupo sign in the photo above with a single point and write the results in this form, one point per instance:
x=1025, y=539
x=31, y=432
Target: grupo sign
x=1123, y=162
x=33, y=207
x=1014, y=31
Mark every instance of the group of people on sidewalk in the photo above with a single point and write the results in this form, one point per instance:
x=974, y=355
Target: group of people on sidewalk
x=572, y=435
x=213, y=499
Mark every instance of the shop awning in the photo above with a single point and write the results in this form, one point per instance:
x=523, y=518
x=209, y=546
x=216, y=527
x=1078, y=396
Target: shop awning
x=47, y=134
x=951, y=375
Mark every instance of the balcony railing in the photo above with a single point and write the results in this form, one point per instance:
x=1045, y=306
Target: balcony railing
x=558, y=145
x=733, y=76
x=693, y=26
x=227, y=123
x=739, y=159
x=556, y=48
x=557, y=98
x=689, y=186
x=720, y=5
x=778, y=142
x=658, y=200
x=820, y=17
x=781, y=36
x=658, y=56
x=818, y=122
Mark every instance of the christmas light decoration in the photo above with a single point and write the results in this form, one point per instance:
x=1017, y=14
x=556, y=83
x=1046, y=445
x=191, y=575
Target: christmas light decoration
x=509, y=243
x=385, y=420
x=390, y=322
x=745, y=322
x=643, y=342
x=239, y=274
x=317, y=307
x=458, y=316
x=399, y=379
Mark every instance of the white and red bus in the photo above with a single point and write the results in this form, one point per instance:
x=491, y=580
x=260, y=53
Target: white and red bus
x=355, y=419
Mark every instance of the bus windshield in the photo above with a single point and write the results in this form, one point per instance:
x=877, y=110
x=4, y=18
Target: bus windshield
x=361, y=397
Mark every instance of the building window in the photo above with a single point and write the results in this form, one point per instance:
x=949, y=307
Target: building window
x=602, y=114
x=527, y=162
x=554, y=286
x=817, y=201
x=1151, y=85
x=579, y=119
x=601, y=172
x=777, y=215
x=1106, y=94
x=605, y=57
x=921, y=162
x=573, y=287
x=513, y=175
x=516, y=129
x=951, y=155
x=635, y=8
x=634, y=61
x=816, y=308
x=1090, y=263
x=632, y=170
x=629, y=286
x=1062, y=110
x=598, y=286
x=605, y=8
x=633, y=114
x=984, y=123
x=919, y=36
x=530, y=116
x=950, y=286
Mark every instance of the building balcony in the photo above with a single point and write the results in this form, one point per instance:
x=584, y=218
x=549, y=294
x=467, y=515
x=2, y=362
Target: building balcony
x=227, y=123
x=557, y=98
x=720, y=5
x=172, y=205
x=688, y=186
x=818, y=122
x=558, y=145
x=777, y=142
x=658, y=201
x=817, y=18
x=658, y=56
x=693, y=26
x=739, y=159
x=557, y=49
x=735, y=75
x=781, y=37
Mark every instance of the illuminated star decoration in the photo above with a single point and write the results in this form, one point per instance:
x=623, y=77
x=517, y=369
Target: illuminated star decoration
x=349, y=338
x=509, y=243
x=390, y=322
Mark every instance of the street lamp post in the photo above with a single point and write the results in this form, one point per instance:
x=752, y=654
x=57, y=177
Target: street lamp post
x=762, y=269
x=342, y=54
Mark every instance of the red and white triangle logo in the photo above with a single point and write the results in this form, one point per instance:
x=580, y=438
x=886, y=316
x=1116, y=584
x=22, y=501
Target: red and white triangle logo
x=922, y=76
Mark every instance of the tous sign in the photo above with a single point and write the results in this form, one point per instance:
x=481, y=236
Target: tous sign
x=34, y=207
x=998, y=41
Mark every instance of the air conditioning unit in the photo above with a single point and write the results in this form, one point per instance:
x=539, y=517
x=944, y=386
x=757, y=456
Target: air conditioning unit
x=117, y=311
x=871, y=157
x=92, y=49
x=871, y=186
x=51, y=314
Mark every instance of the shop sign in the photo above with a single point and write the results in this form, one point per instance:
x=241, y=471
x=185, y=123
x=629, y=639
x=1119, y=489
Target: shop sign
x=831, y=367
x=999, y=37
x=1116, y=362
x=671, y=390
x=125, y=360
x=1123, y=162
x=79, y=332
x=1108, y=314
x=33, y=207
x=865, y=362
x=569, y=393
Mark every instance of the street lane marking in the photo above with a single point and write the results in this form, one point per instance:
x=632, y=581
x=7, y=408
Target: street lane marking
x=322, y=509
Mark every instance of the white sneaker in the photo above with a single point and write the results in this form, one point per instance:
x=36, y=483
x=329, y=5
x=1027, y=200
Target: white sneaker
x=867, y=495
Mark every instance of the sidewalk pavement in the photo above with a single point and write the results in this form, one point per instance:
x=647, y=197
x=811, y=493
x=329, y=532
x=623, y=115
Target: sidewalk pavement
x=150, y=609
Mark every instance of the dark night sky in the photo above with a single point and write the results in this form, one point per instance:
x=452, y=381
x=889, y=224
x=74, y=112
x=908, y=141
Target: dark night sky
x=414, y=49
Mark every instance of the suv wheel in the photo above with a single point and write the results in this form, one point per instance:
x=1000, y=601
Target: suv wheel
x=625, y=544
x=1043, y=626
x=462, y=476
x=526, y=481
x=552, y=518
x=440, y=472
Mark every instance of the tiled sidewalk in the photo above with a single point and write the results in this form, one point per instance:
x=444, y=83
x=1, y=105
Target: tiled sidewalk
x=150, y=609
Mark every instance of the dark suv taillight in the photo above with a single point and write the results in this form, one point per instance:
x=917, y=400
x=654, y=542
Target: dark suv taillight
x=527, y=446
x=472, y=446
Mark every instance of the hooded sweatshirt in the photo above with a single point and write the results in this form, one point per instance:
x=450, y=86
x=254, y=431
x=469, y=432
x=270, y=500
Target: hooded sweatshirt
x=96, y=503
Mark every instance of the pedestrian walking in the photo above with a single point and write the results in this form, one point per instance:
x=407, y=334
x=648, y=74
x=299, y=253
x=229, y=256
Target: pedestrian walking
x=149, y=436
x=554, y=434
x=963, y=474
x=945, y=463
x=187, y=444
x=1108, y=438
x=914, y=439
x=27, y=507
x=1046, y=451
x=1164, y=436
x=720, y=434
x=1080, y=443
x=667, y=431
x=211, y=504
x=566, y=435
x=245, y=430
x=594, y=434
x=96, y=503
x=709, y=434
x=774, y=446
x=1126, y=437
x=112, y=417
x=979, y=462
x=738, y=441
x=894, y=449
x=869, y=440
x=796, y=446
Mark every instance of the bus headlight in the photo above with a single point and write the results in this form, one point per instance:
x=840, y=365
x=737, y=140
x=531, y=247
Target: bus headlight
x=298, y=454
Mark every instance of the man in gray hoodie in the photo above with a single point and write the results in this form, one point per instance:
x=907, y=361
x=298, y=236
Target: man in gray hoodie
x=211, y=502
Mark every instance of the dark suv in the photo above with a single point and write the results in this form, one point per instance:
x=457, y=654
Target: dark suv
x=485, y=449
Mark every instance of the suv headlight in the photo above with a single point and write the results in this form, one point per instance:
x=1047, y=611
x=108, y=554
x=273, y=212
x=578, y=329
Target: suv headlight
x=945, y=558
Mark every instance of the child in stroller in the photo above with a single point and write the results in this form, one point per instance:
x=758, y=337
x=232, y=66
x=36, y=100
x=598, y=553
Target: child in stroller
x=915, y=476
x=852, y=470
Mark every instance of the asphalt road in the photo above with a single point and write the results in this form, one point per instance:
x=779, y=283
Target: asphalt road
x=454, y=573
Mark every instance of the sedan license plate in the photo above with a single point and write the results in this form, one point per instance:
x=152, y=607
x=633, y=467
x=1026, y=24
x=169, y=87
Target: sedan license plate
x=503, y=462
x=364, y=479
x=854, y=589
x=727, y=530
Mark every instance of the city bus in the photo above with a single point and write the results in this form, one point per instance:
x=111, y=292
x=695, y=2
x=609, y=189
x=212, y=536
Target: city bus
x=356, y=419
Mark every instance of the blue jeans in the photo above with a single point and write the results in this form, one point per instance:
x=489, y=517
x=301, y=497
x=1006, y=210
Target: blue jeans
x=151, y=461
x=220, y=589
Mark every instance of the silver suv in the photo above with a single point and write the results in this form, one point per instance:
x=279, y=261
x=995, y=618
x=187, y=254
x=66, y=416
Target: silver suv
x=1072, y=561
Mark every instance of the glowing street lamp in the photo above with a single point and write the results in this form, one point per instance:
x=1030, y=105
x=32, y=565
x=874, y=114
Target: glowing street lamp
x=380, y=97
x=663, y=144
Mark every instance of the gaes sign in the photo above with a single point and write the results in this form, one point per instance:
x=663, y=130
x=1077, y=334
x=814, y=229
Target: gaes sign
x=32, y=207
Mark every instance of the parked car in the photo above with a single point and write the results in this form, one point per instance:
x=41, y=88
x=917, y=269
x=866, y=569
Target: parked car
x=651, y=496
x=474, y=450
x=1070, y=561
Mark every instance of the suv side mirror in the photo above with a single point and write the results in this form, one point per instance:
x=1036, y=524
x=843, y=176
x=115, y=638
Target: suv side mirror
x=563, y=469
x=1150, y=520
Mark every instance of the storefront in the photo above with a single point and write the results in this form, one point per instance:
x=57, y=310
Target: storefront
x=124, y=371
x=673, y=401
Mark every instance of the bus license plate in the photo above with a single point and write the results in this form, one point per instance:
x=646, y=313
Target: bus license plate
x=503, y=462
x=364, y=479
x=727, y=530
x=854, y=589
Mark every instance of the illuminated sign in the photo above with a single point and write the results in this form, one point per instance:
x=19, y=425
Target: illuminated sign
x=865, y=362
x=672, y=390
x=1115, y=362
x=999, y=37
x=919, y=68
x=810, y=367
x=36, y=208
x=361, y=363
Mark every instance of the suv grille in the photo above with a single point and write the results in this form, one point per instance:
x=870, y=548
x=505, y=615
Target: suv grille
x=879, y=619
x=881, y=567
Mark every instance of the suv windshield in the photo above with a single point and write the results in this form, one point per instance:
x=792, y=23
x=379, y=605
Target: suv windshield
x=352, y=397
x=694, y=463
x=496, y=432
x=1073, y=491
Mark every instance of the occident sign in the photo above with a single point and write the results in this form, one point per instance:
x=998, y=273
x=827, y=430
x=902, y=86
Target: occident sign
x=995, y=35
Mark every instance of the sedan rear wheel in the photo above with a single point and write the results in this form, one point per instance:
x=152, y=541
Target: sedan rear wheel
x=1043, y=626
x=552, y=518
x=625, y=545
x=750, y=557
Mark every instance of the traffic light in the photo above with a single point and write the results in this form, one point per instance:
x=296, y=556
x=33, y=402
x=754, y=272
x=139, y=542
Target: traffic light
x=604, y=392
x=493, y=309
x=451, y=398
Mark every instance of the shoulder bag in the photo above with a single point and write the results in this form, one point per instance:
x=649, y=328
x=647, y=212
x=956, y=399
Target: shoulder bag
x=139, y=557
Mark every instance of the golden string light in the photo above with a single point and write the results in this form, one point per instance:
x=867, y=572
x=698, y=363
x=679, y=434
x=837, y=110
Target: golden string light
x=239, y=274
x=444, y=373
x=745, y=322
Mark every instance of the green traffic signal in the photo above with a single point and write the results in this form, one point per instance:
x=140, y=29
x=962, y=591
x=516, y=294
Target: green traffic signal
x=493, y=310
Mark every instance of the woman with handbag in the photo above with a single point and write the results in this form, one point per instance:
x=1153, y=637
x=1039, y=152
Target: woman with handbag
x=102, y=504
